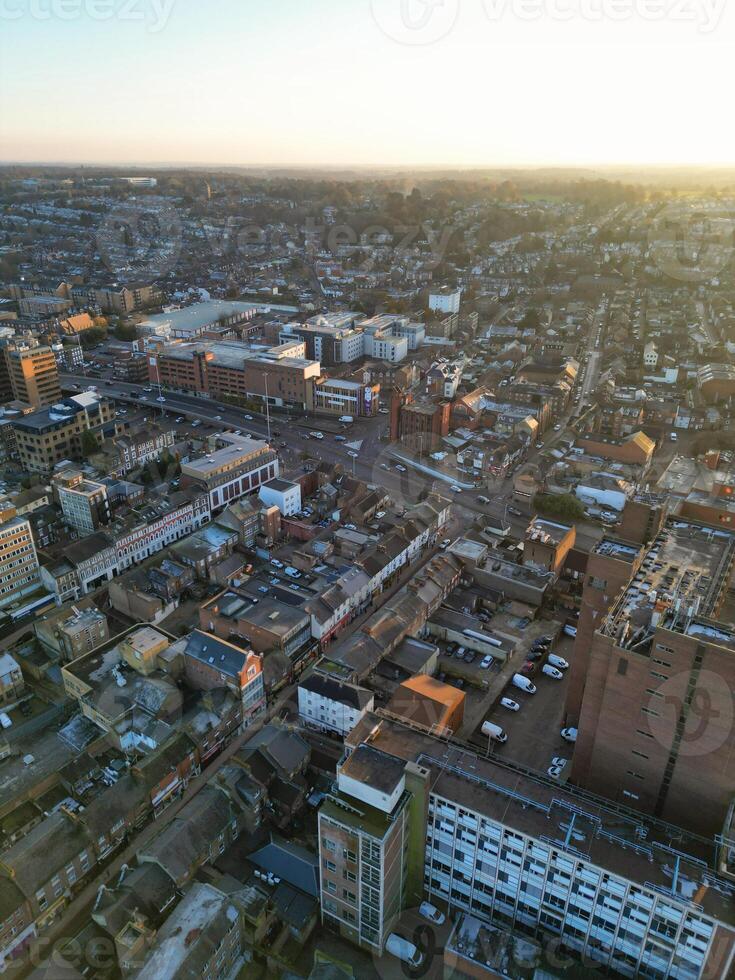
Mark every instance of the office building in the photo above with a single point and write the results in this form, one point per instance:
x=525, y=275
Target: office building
x=412, y=817
x=46, y=437
x=232, y=370
x=28, y=373
x=19, y=573
x=84, y=503
x=234, y=471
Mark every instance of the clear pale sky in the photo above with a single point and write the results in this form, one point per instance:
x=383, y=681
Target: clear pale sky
x=326, y=82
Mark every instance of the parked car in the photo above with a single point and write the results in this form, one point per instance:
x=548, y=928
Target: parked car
x=556, y=661
x=486, y=662
x=554, y=771
x=431, y=913
x=510, y=704
x=459, y=653
x=528, y=668
x=552, y=672
x=400, y=468
x=455, y=489
x=534, y=655
x=569, y=734
x=469, y=657
x=482, y=499
x=515, y=512
x=570, y=630
x=276, y=563
x=218, y=418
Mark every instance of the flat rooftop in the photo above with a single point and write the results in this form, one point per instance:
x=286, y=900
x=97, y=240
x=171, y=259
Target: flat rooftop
x=682, y=577
x=546, y=532
x=201, y=315
x=658, y=856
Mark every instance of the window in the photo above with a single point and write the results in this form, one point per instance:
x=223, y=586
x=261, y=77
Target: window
x=650, y=711
x=330, y=865
x=622, y=666
x=330, y=886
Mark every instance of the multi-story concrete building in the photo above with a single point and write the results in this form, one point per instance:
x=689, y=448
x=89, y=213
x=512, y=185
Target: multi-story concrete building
x=340, y=396
x=241, y=467
x=421, y=425
x=84, y=503
x=283, y=494
x=19, y=572
x=547, y=544
x=415, y=818
x=50, y=435
x=233, y=370
x=445, y=300
x=70, y=633
x=28, y=373
x=655, y=727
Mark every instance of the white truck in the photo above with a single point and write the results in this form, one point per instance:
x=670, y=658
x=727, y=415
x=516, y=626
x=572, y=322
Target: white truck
x=346, y=419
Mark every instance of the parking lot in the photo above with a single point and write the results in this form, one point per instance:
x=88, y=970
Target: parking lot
x=484, y=686
x=533, y=732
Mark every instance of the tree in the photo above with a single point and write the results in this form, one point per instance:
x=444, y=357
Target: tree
x=564, y=505
x=90, y=444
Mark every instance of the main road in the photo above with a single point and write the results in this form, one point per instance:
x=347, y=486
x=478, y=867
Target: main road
x=373, y=460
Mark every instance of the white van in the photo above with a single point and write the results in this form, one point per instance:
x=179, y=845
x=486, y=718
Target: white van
x=556, y=661
x=523, y=684
x=552, y=672
x=317, y=435
x=494, y=731
x=292, y=572
x=404, y=950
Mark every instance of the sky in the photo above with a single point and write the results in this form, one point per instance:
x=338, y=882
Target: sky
x=368, y=82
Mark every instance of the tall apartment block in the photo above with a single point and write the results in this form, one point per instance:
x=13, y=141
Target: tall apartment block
x=19, y=573
x=423, y=819
x=656, y=725
x=371, y=845
x=29, y=374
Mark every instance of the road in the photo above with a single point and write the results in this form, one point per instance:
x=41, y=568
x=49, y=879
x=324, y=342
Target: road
x=374, y=462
